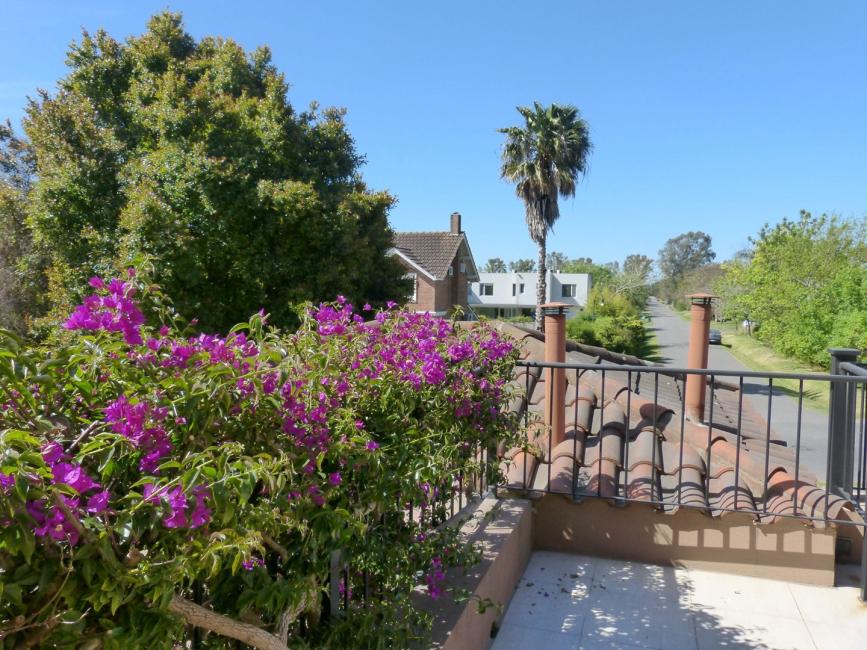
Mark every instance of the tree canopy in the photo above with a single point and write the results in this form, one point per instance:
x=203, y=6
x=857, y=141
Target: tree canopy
x=495, y=265
x=685, y=253
x=189, y=153
x=522, y=266
x=805, y=282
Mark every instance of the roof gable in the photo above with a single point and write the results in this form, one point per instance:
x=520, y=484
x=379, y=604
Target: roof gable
x=433, y=251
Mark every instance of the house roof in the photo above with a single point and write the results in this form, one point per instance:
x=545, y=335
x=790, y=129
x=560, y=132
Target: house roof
x=628, y=439
x=433, y=252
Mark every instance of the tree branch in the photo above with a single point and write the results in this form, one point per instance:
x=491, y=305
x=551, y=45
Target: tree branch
x=223, y=625
x=274, y=546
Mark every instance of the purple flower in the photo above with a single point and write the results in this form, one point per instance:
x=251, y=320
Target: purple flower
x=52, y=452
x=73, y=476
x=334, y=478
x=252, y=563
x=434, y=578
x=372, y=445
x=115, y=312
x=98, y=503
x=177, y=502
x=6, y=481
x=201, y=515
x=141, y=423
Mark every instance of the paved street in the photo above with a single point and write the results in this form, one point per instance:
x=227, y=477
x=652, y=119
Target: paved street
x=672, y=333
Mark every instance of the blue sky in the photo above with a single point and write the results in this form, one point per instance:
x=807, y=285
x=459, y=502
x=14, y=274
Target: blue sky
x=714, y=116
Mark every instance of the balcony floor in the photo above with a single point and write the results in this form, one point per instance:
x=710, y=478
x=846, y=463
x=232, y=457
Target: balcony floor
x=567, y=601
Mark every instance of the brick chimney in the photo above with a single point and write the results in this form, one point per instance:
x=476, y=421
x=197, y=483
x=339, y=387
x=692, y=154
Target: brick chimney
x=696, y=356
x=456, y=223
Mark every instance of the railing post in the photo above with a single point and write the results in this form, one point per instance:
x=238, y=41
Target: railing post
x=841, y=425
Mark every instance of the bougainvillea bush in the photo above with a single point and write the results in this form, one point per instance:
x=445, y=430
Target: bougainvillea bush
x=159, y=486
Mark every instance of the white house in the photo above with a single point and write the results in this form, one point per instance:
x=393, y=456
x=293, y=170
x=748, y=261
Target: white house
x=505, y=295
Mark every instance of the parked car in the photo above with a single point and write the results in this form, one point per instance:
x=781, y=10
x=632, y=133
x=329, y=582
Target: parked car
x=714, y=337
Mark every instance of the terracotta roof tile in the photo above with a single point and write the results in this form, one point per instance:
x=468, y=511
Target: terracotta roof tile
x=432, y=251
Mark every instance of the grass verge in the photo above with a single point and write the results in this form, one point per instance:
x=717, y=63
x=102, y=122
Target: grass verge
x=758, y=356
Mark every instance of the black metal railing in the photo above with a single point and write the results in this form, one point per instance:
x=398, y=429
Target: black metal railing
x=823, y=454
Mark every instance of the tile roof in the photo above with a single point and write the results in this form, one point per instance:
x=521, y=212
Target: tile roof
x=432, y=251
x=628, y=440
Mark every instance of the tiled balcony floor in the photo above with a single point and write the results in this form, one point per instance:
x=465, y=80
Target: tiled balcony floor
x=567, y=601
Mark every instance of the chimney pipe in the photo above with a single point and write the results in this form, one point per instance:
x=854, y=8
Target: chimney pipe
x=696, y=357
x=555, y=386
x=456, y=223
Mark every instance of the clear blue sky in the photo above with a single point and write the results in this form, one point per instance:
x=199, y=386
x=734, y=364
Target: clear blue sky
x=705, y=116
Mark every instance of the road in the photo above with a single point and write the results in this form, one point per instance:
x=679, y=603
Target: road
x=672, y=333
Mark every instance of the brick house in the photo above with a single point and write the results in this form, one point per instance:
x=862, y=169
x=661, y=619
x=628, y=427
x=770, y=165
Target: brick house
x=441, y=266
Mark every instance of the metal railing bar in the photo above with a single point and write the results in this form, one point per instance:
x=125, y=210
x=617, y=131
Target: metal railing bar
x=526, y=424
x=599, y=439
x=709, y=443
x=653, y=436
x=682, y=442
x=798, y=445
x=575, y=437
x=853, y=368
x=626, y=438
x=667, y=370
x=768, y=445
x=738, y=441
x=862, y=447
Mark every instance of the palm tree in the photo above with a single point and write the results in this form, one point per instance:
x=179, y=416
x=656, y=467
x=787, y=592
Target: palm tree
x=545, y=158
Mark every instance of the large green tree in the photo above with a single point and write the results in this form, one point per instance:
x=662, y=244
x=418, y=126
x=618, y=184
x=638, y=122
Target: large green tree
x=545, y=157
x=189, y=152
x=18, y=292
x=685, y=253
x=805, y=283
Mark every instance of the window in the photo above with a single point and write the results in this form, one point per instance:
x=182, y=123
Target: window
x=514, y=288
x=463, y=268
x=486, y=289
x=568, y=291
x=522, y=289
x=414, y=295
x=451, y=271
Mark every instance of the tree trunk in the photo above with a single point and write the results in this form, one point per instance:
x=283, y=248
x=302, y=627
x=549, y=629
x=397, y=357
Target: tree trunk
x=541, y=286
x=224, y=626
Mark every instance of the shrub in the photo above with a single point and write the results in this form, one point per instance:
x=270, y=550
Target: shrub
x=612, y=321
x=144, y=469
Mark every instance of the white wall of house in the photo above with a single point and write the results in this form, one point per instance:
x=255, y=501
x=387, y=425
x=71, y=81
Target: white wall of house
x=518, y=290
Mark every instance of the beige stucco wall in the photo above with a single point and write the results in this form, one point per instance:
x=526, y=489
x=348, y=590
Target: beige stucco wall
x=785, y=550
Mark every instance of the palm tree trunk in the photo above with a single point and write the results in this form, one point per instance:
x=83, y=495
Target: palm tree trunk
x=541, y=286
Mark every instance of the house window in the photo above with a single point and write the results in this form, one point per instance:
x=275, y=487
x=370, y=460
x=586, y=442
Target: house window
x=514, y=289
x=463, y=268
x=486, y=289
x=414, y=277
x=522, y=289
x=451, y=271
x=568, y=291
